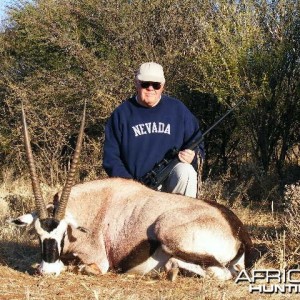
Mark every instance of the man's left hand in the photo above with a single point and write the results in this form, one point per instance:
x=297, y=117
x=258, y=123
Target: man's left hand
x=186, y=156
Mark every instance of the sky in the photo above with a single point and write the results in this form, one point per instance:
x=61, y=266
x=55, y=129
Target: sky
x=3, y=4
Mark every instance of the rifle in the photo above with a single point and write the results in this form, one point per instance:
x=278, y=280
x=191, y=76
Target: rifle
x=162, y=169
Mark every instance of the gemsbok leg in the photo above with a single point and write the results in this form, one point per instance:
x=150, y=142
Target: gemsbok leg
x=197, y=245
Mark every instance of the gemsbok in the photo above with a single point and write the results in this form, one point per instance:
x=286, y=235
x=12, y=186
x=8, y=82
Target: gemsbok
x=120, y=224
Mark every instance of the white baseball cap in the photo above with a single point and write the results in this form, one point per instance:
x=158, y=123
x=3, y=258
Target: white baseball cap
x=151, y=71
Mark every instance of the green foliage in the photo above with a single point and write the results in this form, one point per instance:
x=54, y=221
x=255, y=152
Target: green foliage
x=56, y=54
x=274, y=79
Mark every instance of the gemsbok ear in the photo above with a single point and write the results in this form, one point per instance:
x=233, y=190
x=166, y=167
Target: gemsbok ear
x=24, y=220
x=50, y=209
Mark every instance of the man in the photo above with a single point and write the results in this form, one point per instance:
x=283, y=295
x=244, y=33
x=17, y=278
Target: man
x=144, y=127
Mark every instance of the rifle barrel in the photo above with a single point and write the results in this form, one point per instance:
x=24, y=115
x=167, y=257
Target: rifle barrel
x=196, y=141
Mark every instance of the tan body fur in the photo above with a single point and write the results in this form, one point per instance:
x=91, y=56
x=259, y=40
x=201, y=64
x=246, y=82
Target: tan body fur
x=122, y=215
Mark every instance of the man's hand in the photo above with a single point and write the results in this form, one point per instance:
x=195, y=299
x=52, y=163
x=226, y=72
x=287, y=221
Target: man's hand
x=186, y=156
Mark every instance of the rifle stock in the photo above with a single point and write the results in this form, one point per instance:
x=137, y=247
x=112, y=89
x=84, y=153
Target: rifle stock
x=161, y=170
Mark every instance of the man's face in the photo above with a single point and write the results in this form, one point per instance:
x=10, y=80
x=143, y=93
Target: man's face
x=148, y=92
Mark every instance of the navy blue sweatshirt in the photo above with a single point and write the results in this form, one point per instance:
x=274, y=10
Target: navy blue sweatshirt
x=137, y=137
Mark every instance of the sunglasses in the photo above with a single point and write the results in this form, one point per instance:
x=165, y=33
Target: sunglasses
x=146, y=84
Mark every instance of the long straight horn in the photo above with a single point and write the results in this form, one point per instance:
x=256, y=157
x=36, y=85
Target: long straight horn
x=60, y=213
x=39, y=202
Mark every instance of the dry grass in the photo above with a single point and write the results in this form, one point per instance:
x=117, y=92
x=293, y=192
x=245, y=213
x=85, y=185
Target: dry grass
x=17, y=285
x=18, y=254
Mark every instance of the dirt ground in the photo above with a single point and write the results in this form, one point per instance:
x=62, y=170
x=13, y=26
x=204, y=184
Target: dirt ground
x=19, y=285
x=18, y=281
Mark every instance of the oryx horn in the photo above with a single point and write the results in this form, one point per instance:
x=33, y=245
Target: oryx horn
x=60, y=212
x=39, y=202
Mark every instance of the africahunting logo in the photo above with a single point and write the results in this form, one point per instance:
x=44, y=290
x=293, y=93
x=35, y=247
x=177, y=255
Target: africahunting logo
x=271, y=281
